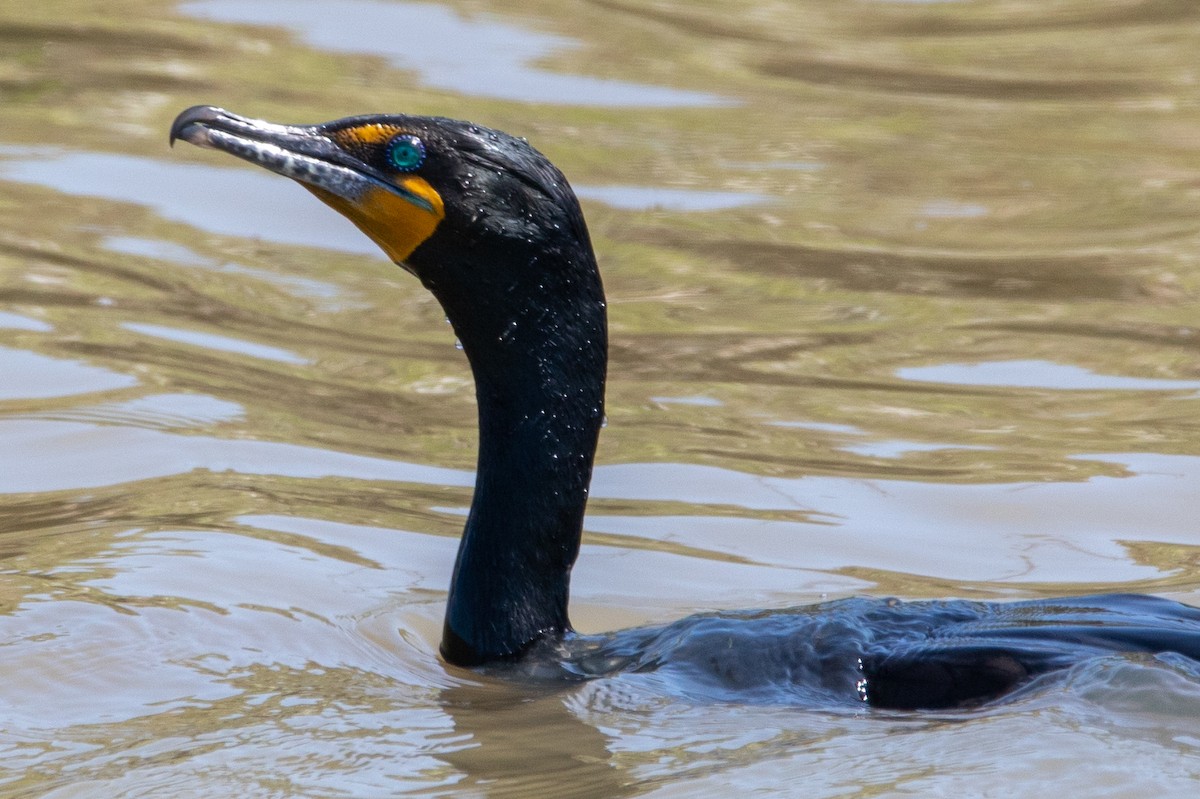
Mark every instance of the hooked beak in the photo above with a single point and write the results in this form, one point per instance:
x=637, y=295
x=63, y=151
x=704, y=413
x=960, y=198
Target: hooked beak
x=303, y=153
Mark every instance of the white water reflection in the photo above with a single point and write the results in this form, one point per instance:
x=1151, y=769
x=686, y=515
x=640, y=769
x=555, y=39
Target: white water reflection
x=697, y=400
x=13, y=321
x=28, y=375
x=478, y=55
x=649, y=198
x=825, y=427
x=44, y=455
x=949, y=209
x=888, y=448
x=1037, y=374
x=207, y=609
x=231, y=202
x=212, y=341
x=1059, y=532
x=161, y=411
x=178, y=254
x=899, y=448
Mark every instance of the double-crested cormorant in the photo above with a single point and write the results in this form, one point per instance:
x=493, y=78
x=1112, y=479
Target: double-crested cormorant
x=491, y=227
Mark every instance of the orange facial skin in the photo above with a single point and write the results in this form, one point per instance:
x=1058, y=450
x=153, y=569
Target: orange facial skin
x=397, y=225
x=394, y=223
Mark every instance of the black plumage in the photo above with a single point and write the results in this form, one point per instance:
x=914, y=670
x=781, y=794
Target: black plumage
x=493, y=230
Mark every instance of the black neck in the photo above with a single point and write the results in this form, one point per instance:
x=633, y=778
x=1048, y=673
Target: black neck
x=539, y=379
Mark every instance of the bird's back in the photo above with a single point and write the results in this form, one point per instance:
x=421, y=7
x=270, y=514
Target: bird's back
x=886, y=653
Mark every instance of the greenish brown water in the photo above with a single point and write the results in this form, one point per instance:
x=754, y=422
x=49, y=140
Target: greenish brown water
x=904, y=301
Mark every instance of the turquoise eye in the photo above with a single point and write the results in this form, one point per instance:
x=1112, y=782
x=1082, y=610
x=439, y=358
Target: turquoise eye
x=406, y=153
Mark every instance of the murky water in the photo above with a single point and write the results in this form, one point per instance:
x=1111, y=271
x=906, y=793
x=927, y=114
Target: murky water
x=903, y=300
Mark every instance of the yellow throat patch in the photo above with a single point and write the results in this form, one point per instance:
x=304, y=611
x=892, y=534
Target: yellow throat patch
x=395, y=224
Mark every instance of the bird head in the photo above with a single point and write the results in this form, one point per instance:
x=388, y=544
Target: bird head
x=448, y=200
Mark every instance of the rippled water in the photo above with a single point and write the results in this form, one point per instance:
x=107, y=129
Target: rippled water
x=903, y=300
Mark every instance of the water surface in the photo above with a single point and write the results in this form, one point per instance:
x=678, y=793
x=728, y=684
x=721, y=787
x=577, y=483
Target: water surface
x=903, y=299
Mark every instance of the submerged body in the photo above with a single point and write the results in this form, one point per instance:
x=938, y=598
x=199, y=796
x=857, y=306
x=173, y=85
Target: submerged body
x=882, y=652
x=493, y=230
x=890, y=654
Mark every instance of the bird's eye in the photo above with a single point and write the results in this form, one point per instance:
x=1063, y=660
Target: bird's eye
x=406, y=152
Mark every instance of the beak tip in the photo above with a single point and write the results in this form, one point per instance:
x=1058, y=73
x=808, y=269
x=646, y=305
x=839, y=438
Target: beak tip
x=192, y=119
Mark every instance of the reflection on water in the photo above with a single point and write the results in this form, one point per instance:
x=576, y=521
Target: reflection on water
x=217, y=199
x=480, y=56
x=216, y=342
x=948, y=209
x=44, y=456
x=636, y=198
x=14, y=321
x=703, y=401
x=898, y=449
x=155, y=411
x=1038, y=374
x=903, y=302
x=178, y=254
x=32, y=376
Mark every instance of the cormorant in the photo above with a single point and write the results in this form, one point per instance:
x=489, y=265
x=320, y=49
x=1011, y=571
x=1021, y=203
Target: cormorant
x=492, y=228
